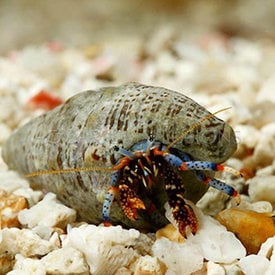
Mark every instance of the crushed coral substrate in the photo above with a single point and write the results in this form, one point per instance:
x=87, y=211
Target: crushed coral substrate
x=40, y=235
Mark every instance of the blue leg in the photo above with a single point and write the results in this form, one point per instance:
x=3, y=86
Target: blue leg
x=109, y=198
x=203, y=165
x=222, y=186
x=193, y=164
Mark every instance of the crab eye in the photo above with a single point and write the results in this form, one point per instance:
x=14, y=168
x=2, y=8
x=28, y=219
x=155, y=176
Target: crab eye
x=151, y=137
x=116, y=148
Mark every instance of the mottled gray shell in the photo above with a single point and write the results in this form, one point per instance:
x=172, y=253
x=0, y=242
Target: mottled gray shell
x=83, y=131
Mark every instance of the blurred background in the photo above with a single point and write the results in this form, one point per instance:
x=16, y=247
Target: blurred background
x=83, y=22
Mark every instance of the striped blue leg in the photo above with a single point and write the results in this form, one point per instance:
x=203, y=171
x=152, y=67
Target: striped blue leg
x=109, y=198
x=207, y=166
x=222, y=186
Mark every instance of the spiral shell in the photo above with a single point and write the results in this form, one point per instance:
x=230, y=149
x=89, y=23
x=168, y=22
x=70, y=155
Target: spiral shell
x=83, y=131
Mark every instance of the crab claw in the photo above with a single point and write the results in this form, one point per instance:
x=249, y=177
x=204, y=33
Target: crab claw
x=185, y=216
x=129, y=201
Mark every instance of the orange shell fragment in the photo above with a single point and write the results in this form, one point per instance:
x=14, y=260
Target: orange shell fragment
x=252, y=228
x=44, y=100
x=171, y=233
x=9, y=208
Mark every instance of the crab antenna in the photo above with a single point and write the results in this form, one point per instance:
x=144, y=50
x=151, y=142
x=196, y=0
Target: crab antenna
x=122, y=151
x=68, y=170
x=194, y=126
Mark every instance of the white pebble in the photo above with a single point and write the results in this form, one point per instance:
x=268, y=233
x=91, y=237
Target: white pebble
x=262, y=188
x=180, y=258
x=10, y=182
x=247, y=137
x=5, y=131
x=267, y=171
x=48, y=212
x=218, y=244
x=214, y=269
x=32, y=196
x=262, y=206
x=267, y=248
x=266, y=93
x=44, y=232
x=25, y=242
x=66, y=260
x=264, y=153
x=263, y=262
x=105, y=248
x=148, y=265
x=3, y=165
x=258, y=206
x=27, y=266
x=254, y=264
x=41, y=62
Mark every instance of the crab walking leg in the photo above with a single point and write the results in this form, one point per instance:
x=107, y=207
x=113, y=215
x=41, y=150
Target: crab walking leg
x=207, y=166
x=109, y=198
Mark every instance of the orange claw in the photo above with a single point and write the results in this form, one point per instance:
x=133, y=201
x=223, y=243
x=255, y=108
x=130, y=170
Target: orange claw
x=131, y=209
x=130, y=202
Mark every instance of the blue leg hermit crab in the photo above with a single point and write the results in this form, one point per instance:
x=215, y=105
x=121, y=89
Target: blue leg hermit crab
x=135, y=132
x=139, y=170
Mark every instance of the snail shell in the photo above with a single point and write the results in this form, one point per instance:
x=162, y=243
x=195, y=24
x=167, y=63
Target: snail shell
x=84, y=130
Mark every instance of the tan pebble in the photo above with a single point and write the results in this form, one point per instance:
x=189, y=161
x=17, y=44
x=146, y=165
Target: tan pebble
x=263, y=114
x=93, y=50
x=266, y=92
x=10, y=205
x=171, y=233
x=262, y=188
x=6, y=262
x=123, y=271
x=58, y=230
x=248, y=137
x=202, y=271
x=264, y=150
x=249, y=167
x=250, y=227
x=148, y=265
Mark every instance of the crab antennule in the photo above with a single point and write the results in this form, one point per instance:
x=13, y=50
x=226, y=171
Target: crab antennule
x=67, y=170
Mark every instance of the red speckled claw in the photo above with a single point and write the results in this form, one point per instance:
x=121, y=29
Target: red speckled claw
x=129, y=202
x=185, y=216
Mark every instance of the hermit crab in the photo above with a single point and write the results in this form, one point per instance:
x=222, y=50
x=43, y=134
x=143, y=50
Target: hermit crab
x=118, y=154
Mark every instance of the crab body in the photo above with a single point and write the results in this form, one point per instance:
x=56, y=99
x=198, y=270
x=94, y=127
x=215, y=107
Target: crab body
x=83, y=133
